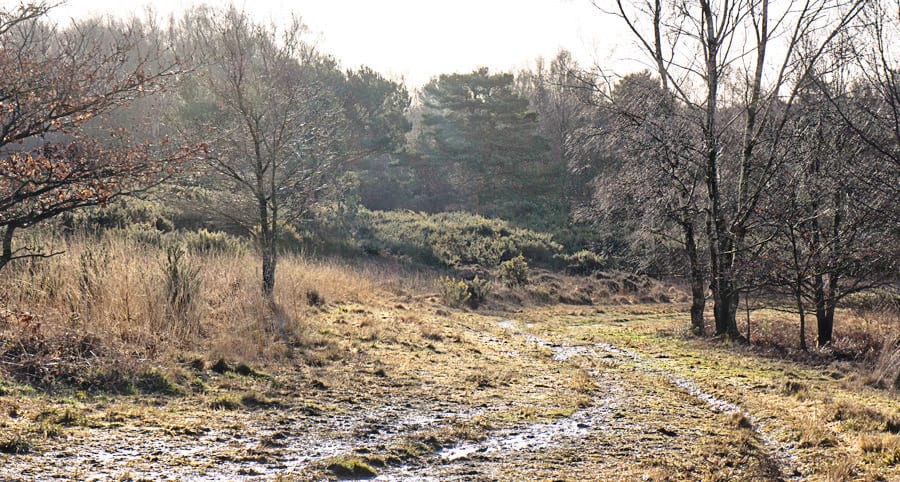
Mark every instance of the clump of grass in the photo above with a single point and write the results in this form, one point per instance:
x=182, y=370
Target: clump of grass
x=349, y=467
x=815, y=433
x=431, y=332
x=857, y=416
x=244, y=369
x=156, y=381
x=70, y=418
x=257, y=400
x=842, y=469
x=581, y=382
x=740, y=420
x=227, y=401
x=885, y=445
x=886, y=373
x=221, y=366
x=16, y=444
x=183, y=286
x=313, y=298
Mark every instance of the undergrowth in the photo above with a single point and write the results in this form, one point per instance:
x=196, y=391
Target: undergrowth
x=98, y=315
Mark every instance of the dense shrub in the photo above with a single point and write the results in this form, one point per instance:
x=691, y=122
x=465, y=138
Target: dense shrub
x=208, y=242
x=81, y=360
x=874, y=300
x=287, y=238
x=514, y=272
x=454, y=239
x=584, y=262
x=119, y=214
x=457, y=293
x=453, y=292
x=479, y=289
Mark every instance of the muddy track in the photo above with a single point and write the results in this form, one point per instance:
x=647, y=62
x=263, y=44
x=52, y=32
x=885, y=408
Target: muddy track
x=640, y=416
x=595, y=439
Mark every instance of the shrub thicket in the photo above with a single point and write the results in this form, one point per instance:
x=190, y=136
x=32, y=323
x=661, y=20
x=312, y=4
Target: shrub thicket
x=584, y=262
x=454, y=239
x=121, y=214
x=514, y=272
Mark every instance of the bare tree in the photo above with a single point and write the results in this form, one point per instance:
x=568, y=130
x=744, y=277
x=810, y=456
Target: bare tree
x=275, y=129
x=734, y=63
x=647, y=131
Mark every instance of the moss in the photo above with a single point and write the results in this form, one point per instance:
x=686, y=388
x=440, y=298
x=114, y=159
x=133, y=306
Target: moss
x=156, y=382
x=350, y=468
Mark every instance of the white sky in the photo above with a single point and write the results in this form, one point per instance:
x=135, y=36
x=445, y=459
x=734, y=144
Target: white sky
x=418, y=39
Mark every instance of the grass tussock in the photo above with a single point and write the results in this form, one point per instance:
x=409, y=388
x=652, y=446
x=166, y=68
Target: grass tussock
x=95, y=315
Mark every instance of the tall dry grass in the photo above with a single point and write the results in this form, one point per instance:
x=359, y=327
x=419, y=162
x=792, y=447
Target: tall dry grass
x=119, y=293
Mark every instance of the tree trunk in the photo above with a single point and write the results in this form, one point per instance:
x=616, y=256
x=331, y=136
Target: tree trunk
x=6, y=248
x=726, y=297
x=726, y=303
x=698, y=285
x=798, y=298
x=819, y=296
x=826, y=327
x=825, y=315
x=269, y=260
x=267, y=249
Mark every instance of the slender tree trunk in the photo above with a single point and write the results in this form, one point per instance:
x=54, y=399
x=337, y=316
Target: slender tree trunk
x=267, y=249
x=825, y=319
x=725, y=294
x=826, y=323
x=819, y=296
x=698, y=281
x=6, y=248
x=799, y=301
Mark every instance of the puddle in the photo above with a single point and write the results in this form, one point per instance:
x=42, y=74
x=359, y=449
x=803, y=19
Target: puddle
x=262, y=445
x=537, y=436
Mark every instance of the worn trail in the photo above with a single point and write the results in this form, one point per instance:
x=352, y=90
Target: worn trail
x=638, y=419
x=632, y=419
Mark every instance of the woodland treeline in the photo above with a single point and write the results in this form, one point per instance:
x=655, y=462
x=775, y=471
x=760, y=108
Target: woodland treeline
x=759, y=152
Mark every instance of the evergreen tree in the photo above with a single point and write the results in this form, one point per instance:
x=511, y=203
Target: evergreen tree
x=480, y=137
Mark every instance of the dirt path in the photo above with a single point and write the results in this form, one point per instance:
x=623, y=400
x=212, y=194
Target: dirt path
x=639, y=420
x=640, y=416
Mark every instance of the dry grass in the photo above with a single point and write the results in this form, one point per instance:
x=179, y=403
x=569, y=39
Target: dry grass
x=886, y=373
x=113, y=293
x=814, y=432
x=842, y=469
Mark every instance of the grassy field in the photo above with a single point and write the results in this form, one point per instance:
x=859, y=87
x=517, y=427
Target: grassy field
x=114, y=370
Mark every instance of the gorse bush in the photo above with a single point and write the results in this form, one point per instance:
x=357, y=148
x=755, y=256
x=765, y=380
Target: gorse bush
x=479, y=290
x=584, y=262
x=119, y=214
x=287, y=238
x=208, y=242
x=471, y=293
x=514, y=272
x=454, y=239
x=454, y=292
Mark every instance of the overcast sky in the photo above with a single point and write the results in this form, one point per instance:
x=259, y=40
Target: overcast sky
x=418, y=39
